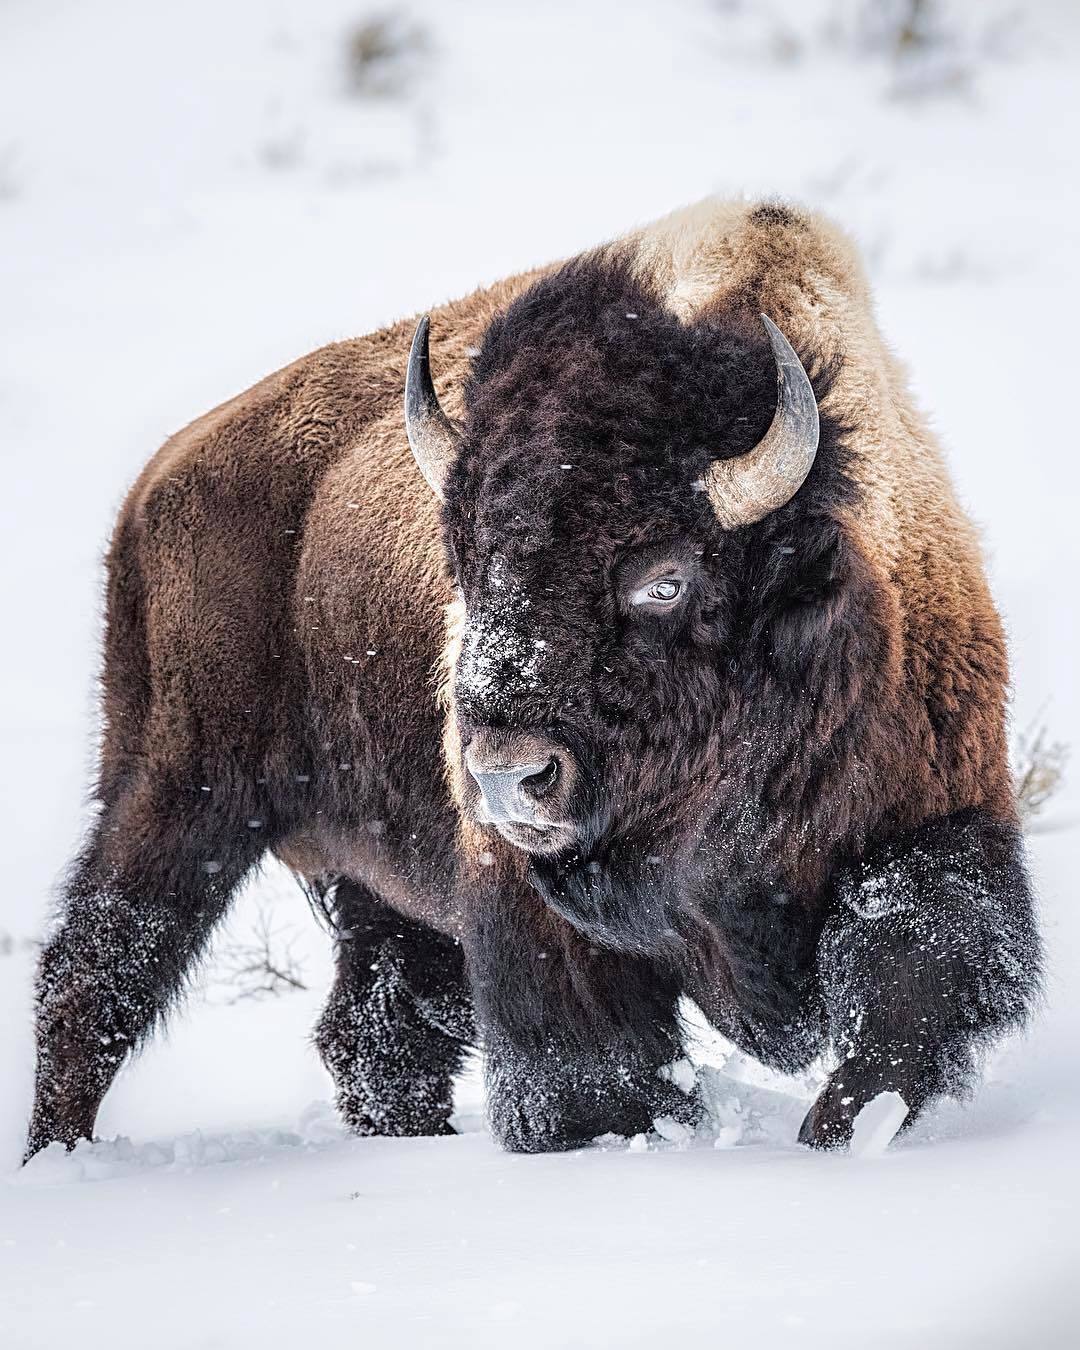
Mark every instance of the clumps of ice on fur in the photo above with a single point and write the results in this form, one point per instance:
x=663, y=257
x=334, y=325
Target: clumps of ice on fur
x=940, y=906
x=500, y=658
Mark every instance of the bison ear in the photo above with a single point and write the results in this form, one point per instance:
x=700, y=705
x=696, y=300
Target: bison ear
x=746, y=489
x=433, y=438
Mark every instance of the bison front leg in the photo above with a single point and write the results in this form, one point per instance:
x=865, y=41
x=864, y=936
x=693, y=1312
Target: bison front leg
x=931, y=952
x=576, y=1037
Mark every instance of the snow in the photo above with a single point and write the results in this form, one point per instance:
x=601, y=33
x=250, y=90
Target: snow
x=876, y=1125
x=680, y=1072
x=190, y=197
x=672, y=1130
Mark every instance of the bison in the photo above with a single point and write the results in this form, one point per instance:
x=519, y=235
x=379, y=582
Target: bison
x=662, y=665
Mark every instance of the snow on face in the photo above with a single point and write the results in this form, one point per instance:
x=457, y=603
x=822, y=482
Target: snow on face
x=500, y=658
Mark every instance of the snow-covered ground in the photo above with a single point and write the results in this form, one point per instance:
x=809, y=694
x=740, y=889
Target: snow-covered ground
x=190, y=196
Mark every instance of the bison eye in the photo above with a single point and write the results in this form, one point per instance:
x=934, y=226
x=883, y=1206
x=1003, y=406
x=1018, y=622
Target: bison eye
x=662, y=592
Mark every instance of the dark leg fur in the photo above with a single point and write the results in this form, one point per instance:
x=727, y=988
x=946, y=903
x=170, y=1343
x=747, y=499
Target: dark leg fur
x=930, y=952
x=575, y=1035
x=398, y=1022
x=142, y=900
x=768, y=1001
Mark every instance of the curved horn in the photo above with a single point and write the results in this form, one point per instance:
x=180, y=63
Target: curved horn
x=747, y=488
x=433, y=438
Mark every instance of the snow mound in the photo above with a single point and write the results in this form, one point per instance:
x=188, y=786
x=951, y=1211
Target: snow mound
x=106, y=1159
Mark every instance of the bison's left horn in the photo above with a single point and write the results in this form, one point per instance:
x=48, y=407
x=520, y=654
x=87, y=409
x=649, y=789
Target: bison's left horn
x=746, y=489
x=432, y=436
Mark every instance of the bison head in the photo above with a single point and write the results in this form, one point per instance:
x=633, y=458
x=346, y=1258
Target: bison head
x=614, y=466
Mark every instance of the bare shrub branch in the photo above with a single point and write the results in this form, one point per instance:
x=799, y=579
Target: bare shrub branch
x=1038, y=769
x=10, y=944
x=383, y=55
x=263, y=965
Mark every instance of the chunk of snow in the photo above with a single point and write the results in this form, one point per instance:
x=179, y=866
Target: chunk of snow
x=680, y=1073
x=667, y=1127
x=877, y=1123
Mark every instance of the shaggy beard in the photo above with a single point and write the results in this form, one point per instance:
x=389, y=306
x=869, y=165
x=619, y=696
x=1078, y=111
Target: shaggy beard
x=635, y=902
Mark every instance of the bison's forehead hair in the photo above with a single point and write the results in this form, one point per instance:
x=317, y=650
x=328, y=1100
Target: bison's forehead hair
x=591, y=406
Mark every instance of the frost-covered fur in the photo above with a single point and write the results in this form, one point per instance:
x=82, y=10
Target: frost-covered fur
x=929, y=952
x=790, y=797
x=399, y=1019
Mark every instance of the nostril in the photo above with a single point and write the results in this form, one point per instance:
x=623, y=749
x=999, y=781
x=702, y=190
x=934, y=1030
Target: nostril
x=538, y=784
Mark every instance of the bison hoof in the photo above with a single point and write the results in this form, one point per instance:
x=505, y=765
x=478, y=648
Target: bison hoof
x=399, y=1127
x=395, y=1115
x=50, y=1128
x=534, y=1128
x=830, y=1122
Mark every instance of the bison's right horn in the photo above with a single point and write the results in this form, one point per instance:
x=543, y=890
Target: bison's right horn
x=433, y=438
x=749, y=487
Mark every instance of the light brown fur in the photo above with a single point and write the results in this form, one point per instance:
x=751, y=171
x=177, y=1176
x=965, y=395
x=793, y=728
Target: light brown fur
x=806, y=274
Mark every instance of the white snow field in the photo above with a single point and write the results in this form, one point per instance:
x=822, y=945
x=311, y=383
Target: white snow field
x=190, y=196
